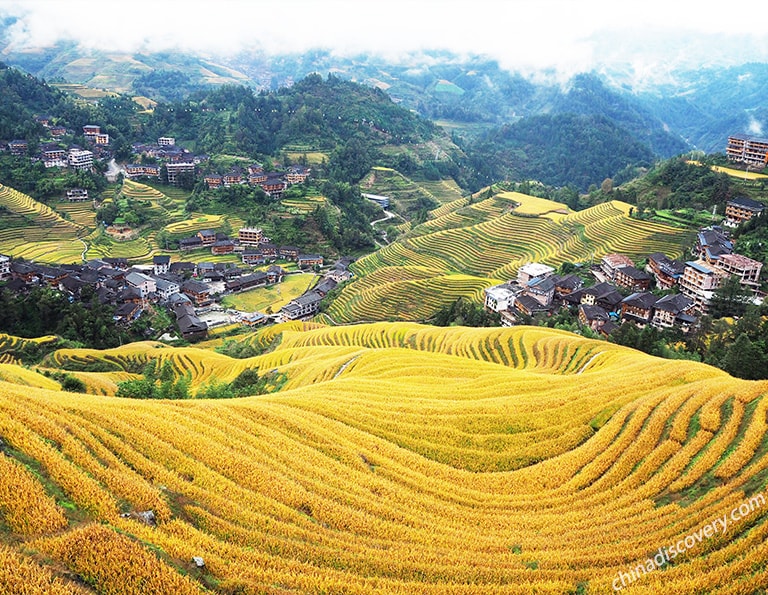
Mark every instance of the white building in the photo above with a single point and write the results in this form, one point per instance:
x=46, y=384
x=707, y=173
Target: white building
x=80, y=159
x=166, y=141
x=165, y=289
x=5, y=267
x=142, y=282
x=175, y=169
x=533, y=270
x=500, y=297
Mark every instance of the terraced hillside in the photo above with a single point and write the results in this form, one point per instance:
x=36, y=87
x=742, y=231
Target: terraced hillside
x=469, y=247
x=38, y=232
x=35, y=231
x=398, y=458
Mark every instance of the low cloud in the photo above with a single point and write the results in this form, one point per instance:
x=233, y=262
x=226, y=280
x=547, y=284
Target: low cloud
x=558, y=36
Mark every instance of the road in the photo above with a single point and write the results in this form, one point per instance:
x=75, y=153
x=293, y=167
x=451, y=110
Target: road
x=387, y=216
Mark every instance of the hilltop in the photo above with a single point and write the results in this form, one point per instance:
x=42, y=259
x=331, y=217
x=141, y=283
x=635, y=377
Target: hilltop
x=477, y=460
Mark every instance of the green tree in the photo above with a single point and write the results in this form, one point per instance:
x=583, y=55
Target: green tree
x=745, y=359
x=730, y=299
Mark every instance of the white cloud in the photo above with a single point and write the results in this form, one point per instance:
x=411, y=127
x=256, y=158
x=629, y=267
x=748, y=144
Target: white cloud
x=755, y=127
x=529, y=34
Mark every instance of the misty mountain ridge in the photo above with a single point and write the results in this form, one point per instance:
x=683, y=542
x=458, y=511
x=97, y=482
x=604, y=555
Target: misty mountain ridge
x=665, y=113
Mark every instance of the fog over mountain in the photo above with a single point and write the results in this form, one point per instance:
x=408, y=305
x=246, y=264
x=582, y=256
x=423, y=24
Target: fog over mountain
x=532, y=36
x=679, y=75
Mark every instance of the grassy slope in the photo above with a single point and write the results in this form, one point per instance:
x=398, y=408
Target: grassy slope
x=478, y=460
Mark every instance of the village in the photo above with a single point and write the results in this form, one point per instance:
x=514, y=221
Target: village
x=623, y=288
x=190, y=290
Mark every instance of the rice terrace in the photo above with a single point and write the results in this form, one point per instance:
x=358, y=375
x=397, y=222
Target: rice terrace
x=394, y=458
x=303, y=300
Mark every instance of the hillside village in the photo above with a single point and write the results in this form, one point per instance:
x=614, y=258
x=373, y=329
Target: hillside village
x=622, y=291
x=690, y=285
x=188, y=289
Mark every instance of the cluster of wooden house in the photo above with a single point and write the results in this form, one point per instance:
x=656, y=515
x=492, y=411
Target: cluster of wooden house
x=183, y=287
x=622, y=292
x=56, y=153
x=252, y=245
x=177, y=161
x=273, y=183
x=308, y=304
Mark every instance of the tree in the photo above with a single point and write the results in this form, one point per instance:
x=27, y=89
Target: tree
x=745, y=359
x=730, y=299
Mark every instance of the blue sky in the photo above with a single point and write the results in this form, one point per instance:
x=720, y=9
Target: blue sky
x=527, y=35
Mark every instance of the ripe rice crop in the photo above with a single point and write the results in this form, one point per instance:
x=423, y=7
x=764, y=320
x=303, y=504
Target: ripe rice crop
x=397, y=458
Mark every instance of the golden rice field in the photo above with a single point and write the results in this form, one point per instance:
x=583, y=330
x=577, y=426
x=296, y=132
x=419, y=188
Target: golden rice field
x=197, y=222
x=273, y=297
x=459, y=252
x=737, y=173
x=47, y=236
x=397, y=458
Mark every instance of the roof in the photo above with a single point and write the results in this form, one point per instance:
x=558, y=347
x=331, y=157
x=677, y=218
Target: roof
x=673, y=268
x=308, y=298
x=530, y=304
x=600, y=289
x=700, y=267
x=634, y=273
x=190, y=324
x=501, y=292
x=675, y=302
x=569, y=282
x=617, y=260
x=137, y=279
x=643, y=299
x=536, y=269
x=747, y=203
x=749, y=137
x=127, y=309
x=164, y=285
x=543, y=285
x=161, y=259
x=195, y=287
x=740, y=261
x=193, y=241
x=594, y=312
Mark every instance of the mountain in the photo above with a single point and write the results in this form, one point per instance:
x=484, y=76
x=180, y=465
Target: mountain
x=559, y=150
x=162, y=75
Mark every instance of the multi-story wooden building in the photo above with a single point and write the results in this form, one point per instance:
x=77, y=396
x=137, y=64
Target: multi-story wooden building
x=665, y=270
x=633, y=278
x=741, y=209
x=748, y=149
x=139, y=170
x=250, y=236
